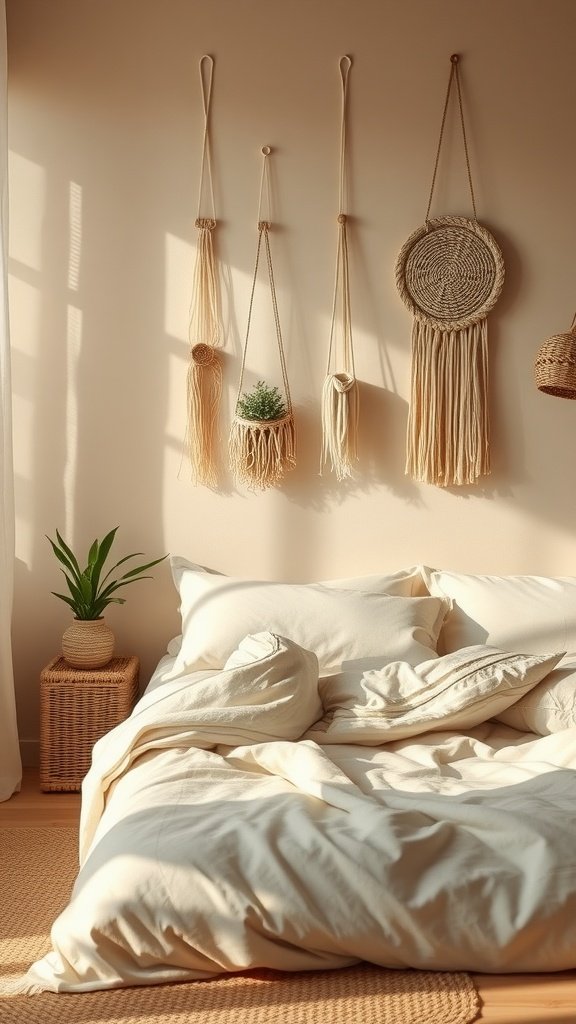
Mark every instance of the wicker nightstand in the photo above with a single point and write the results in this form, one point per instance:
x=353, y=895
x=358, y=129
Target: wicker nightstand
x=77, y=706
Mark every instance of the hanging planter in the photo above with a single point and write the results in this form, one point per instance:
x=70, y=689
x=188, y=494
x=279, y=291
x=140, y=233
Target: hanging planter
x=340, y=399
x=262, y=442
x=262, y=437
x=449, y=274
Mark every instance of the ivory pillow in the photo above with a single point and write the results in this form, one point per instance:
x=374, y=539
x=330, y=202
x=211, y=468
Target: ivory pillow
x=549, y=707
x=453, y=692
x=533, y=614
x=335, y=624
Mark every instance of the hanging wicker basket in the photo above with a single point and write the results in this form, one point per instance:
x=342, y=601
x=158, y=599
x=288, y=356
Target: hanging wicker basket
x=555, y=366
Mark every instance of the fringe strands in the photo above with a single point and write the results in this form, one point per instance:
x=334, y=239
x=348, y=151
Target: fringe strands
x=204, y=381
x=262, y=451
x=340, y=416
x=448, y=430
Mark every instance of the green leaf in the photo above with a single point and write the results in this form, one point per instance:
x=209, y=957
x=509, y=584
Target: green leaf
x=121, y=562
x=86, y=588
x=102, y=555
x=74, y=590
x=93, y=553
x=115, y=585
x=70, y=554
x=73, y=569
x=68, y=600
x=142, y=568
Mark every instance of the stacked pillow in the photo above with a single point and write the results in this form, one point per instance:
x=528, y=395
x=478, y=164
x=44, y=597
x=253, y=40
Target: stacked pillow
x=411, y=616
x=347, y=620
x=530, y=614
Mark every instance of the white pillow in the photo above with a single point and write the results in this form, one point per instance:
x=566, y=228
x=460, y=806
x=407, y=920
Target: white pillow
x=549, y=707
x=335, y=624
x=533, y=614
x=453, y=692
x=403, y=583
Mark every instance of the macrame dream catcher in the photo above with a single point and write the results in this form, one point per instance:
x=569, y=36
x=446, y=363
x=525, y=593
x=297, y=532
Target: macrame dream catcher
x=449, y=274
x=204, y=381
x=340, y=406
x=263, y=449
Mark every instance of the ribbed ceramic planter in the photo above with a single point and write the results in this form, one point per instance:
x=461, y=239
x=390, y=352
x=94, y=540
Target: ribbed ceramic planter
x=88, y=643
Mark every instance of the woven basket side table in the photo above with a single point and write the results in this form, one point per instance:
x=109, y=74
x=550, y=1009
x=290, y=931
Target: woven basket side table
x=77, y=706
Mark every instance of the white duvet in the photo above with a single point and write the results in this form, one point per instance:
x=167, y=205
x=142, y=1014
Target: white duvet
x=219, y=833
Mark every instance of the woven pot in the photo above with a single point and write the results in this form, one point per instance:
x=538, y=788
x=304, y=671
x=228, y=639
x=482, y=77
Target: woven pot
x=555, y=366
x=88, y=643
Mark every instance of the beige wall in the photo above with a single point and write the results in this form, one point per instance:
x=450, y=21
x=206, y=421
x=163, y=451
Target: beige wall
x=105, y=127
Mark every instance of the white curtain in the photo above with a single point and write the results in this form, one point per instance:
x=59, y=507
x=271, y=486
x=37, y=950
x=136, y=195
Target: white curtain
x=10, y=764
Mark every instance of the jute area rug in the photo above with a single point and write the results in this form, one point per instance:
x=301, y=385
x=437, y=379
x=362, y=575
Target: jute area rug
x=38, y=866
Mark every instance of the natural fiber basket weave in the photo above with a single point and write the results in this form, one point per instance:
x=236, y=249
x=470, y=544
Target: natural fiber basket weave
x=555, y=366
x=77, y=706
x=450, y=272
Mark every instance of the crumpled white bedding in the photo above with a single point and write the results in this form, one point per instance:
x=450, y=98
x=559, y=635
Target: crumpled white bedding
x=217, y=837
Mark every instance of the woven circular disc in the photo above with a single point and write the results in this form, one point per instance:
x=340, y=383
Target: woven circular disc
x=450, y=272
x=203, y=355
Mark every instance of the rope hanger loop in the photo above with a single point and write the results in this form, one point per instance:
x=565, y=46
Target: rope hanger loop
x=345, y=64
x=206, y=73
x=454, y=77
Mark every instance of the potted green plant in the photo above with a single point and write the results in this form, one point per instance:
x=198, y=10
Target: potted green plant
x=89, y=642
x=263, y=402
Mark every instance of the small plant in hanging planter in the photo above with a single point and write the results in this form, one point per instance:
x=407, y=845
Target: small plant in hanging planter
x=262, y=403
x=89, y=642
x=262, y=438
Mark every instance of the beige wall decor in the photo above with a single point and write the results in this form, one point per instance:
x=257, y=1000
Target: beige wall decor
x=449, y=274
x=262, y=438
x=340, y=399
x=204, y=385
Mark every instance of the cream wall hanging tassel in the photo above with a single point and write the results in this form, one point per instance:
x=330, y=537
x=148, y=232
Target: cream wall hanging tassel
x=340, y=399
x=204, y=381
x=449, y=274
x=262, y=443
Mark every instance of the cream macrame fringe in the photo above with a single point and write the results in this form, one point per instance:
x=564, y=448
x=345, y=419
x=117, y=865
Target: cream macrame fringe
x=340, y=417
x=11, y=986
x=448, y=431
x=261, y=451
x=204, y=384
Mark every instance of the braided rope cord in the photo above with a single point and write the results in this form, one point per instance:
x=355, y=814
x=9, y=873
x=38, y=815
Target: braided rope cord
x=454, y=77
x=341, y=280
x=263, y=233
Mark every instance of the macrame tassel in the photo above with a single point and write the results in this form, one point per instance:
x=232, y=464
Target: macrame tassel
x=261, y=451
x=448, y=430
x=12, y=985
x=340, y=408
x=204, y=384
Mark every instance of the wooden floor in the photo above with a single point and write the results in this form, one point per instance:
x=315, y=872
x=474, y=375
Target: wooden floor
x=506, y=998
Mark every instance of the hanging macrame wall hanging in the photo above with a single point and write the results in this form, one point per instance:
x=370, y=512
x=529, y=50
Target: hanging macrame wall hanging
x=340, y=400
x=204, y=383
x=449, y=274
x=262, y=443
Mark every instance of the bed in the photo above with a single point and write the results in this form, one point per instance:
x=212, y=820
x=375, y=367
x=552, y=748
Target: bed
x=373, y=769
